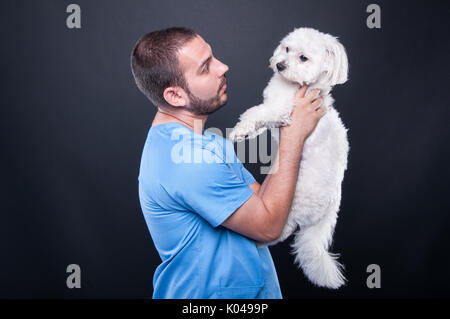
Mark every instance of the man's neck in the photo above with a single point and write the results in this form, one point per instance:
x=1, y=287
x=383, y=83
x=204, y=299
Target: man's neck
x=194, y=122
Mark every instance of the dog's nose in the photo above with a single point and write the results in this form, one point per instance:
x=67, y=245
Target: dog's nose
x=281, y=66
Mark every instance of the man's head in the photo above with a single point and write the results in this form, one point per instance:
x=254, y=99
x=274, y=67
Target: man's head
x=175, y=69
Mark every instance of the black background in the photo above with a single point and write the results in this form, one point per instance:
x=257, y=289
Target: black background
x=73, y=125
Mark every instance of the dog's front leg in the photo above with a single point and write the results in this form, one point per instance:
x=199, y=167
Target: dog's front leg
x=252, y=123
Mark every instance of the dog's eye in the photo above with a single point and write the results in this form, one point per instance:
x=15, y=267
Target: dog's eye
x=303, y=58
x=287, y=49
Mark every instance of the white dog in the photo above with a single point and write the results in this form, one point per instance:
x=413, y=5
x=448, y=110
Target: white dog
x=308, y=57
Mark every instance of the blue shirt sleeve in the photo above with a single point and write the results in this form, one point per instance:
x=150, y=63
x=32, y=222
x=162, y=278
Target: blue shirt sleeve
x=212, y=190
x=248, y=177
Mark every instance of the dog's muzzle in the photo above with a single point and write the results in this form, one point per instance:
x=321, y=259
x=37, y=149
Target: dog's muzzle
x=281, y=66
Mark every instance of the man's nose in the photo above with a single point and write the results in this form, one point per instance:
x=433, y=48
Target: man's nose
x=223, y=68
x=281, y=66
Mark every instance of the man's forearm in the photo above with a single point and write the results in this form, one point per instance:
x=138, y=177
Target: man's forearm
x=263, y=187
x=278, y=188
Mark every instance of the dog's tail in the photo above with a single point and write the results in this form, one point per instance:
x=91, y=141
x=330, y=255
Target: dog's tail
x=311, y=245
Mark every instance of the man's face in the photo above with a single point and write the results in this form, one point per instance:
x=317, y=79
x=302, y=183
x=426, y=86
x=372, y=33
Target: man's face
x=205, y=77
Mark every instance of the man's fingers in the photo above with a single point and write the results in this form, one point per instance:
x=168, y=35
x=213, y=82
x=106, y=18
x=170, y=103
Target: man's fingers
x=301, y=92
x=317, y=102
x=321, y=110
x=313, y=94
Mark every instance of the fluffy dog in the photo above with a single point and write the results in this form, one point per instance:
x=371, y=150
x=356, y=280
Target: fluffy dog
x=308, y=57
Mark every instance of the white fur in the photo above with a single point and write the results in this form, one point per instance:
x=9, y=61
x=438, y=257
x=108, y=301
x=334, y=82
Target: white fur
x=324, y=159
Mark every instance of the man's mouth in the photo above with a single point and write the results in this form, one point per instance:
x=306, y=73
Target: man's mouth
x=223, y=85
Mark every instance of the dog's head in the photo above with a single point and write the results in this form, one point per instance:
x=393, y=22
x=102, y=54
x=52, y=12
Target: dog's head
x=307, y=56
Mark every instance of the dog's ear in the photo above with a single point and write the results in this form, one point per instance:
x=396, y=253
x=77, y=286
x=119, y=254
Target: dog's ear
x=336, y=62
x=275, y=53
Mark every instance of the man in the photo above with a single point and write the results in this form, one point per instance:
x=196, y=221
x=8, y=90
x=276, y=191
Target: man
x=205, y=217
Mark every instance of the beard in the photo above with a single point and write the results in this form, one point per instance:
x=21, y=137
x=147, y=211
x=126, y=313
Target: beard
x=205, y=107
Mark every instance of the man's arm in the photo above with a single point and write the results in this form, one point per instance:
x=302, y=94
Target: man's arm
x=255, y=187
x=264, y=215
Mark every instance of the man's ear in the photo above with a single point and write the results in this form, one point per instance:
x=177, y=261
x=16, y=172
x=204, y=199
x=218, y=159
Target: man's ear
x=175, y=96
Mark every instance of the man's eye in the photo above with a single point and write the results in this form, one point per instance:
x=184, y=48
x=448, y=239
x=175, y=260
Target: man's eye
x=303, y=58
x=205, y=69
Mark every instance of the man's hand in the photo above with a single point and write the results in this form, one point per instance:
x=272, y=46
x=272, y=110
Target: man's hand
x=305, y=114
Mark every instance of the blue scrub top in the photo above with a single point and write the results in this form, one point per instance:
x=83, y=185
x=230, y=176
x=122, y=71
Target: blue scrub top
x=189, y=184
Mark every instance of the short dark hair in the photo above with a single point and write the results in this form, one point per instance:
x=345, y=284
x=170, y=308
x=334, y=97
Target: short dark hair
x=154, y=62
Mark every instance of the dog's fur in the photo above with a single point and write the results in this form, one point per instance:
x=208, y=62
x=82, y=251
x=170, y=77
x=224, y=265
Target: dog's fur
x=324, y=158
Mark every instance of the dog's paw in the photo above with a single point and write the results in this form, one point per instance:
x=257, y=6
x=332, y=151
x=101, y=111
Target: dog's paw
x=285, y=121
x=242, y=131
